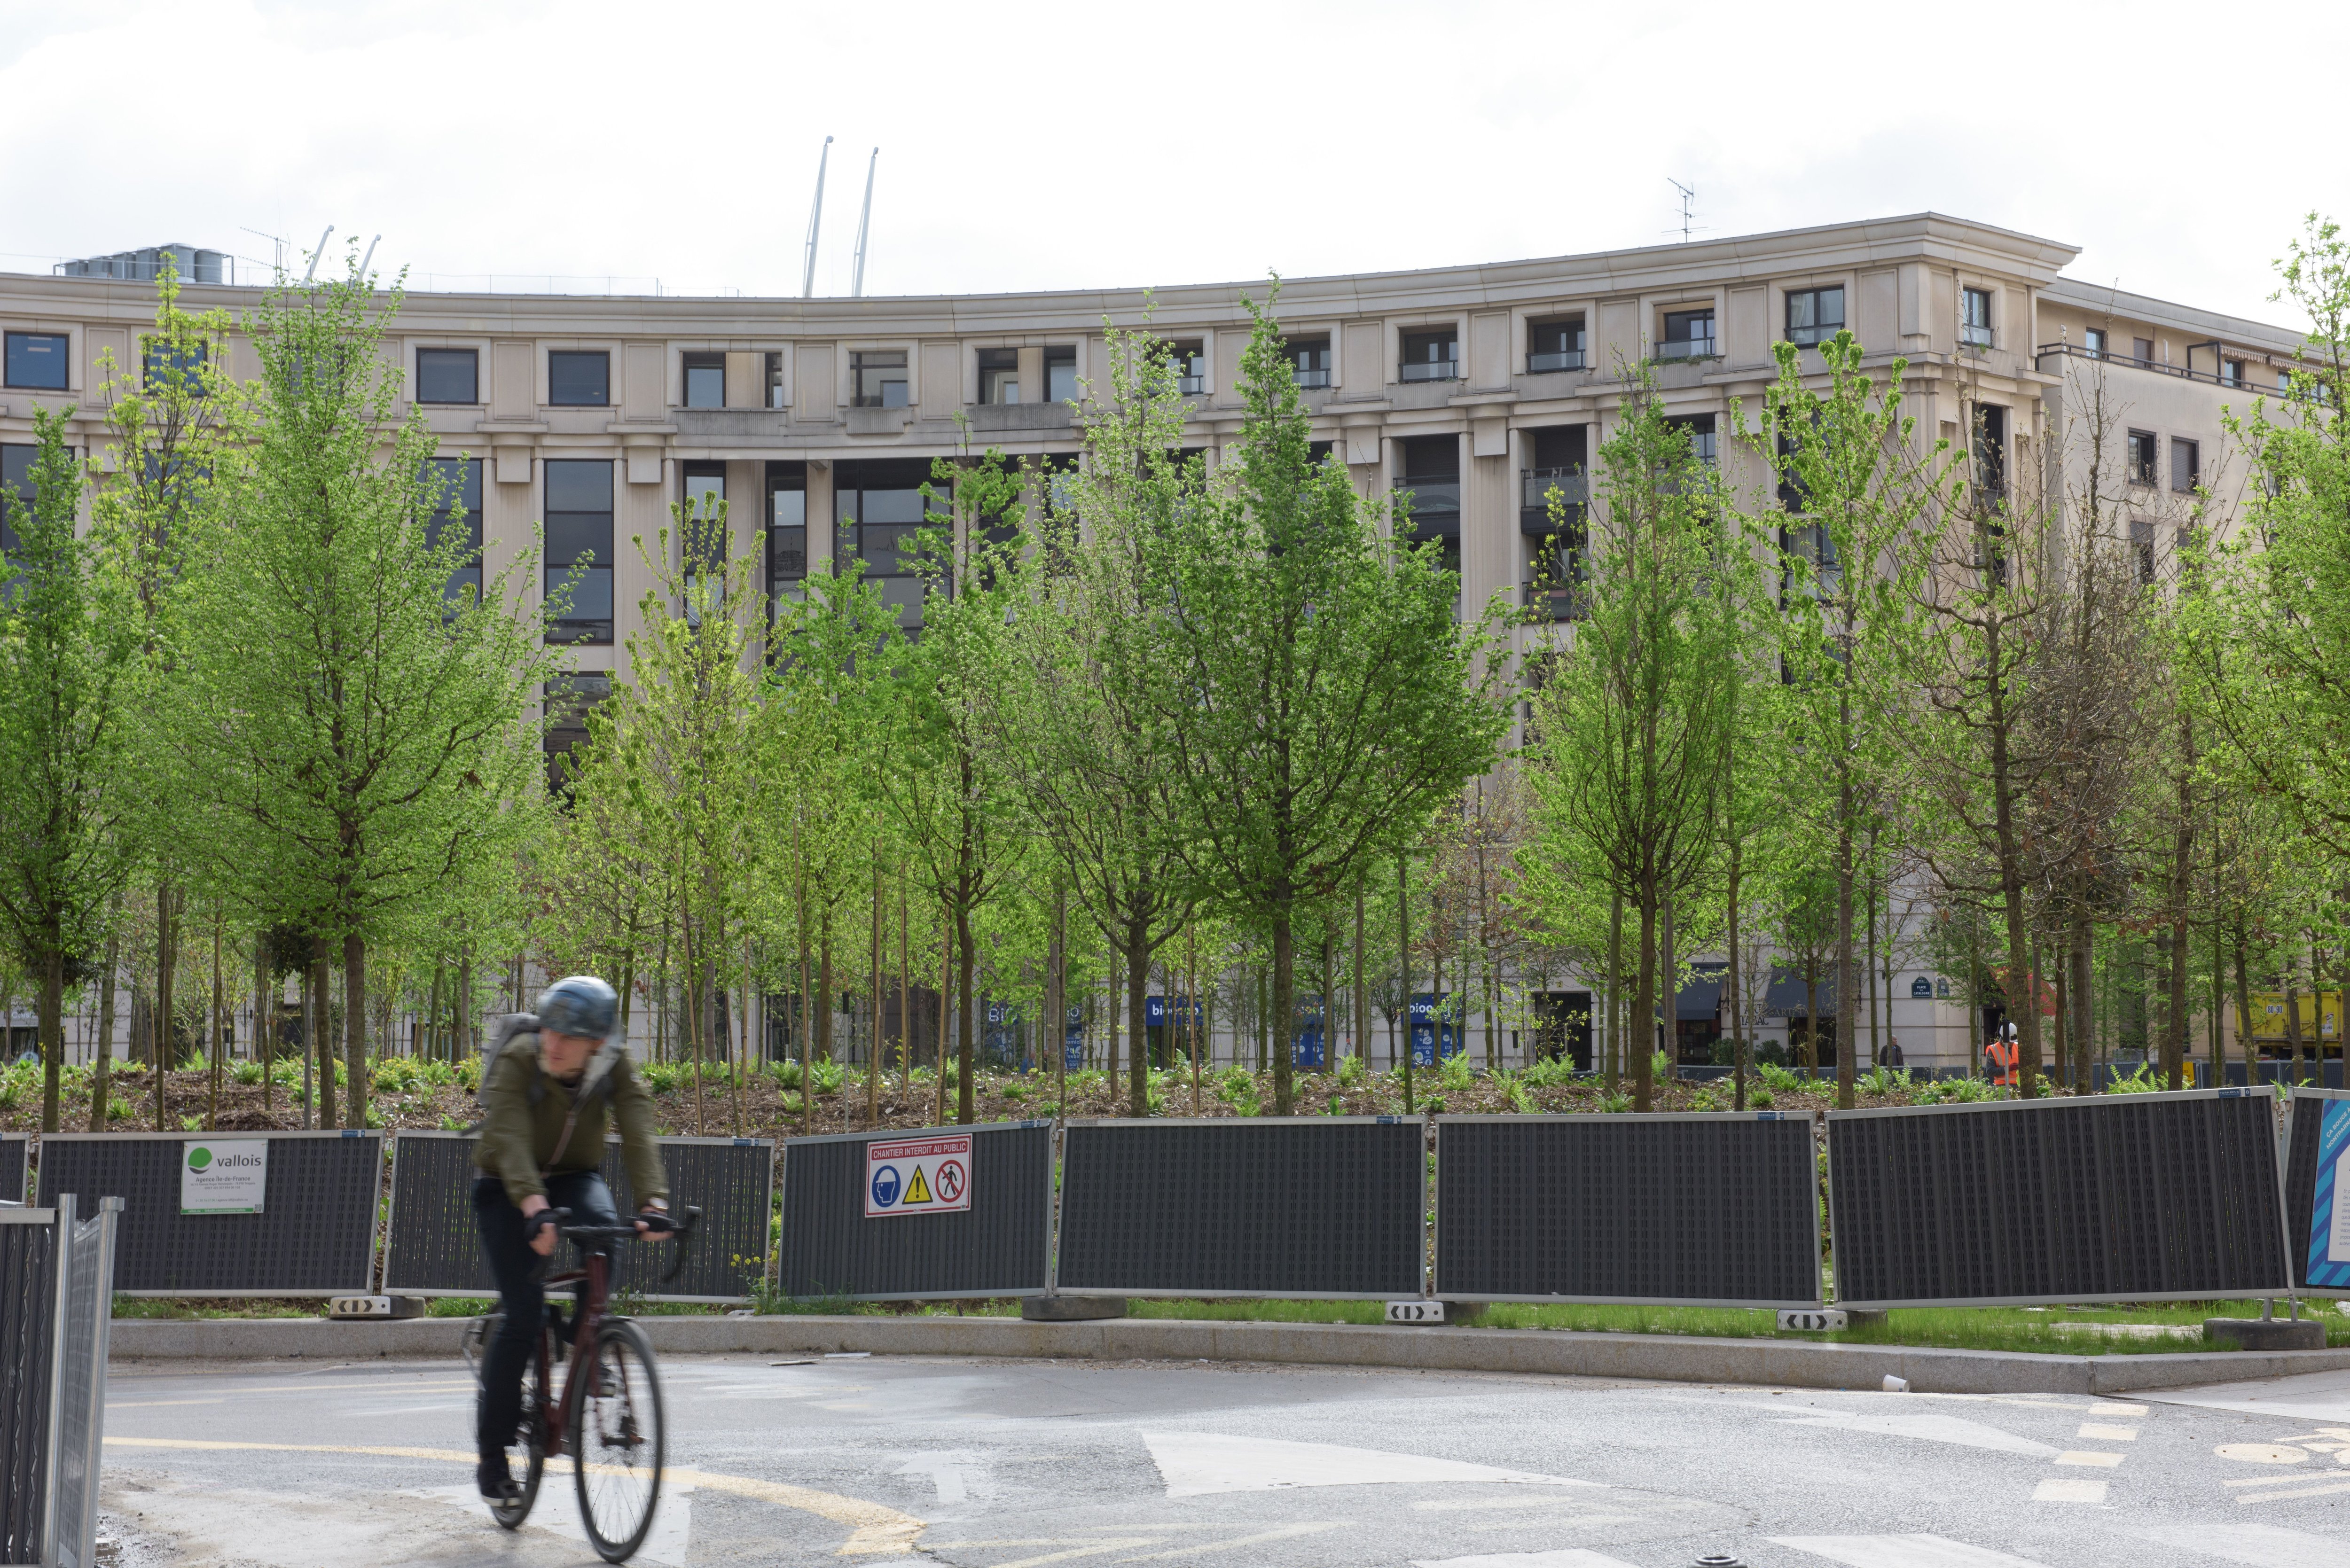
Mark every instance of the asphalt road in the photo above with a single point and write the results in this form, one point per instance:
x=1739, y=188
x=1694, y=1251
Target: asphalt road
x=994, y=1464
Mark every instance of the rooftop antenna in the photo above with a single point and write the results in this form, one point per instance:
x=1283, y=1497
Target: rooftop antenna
x=864, y=221
x=816, y=219
x=316, y=254
x=370, y=256
x=1688, y=201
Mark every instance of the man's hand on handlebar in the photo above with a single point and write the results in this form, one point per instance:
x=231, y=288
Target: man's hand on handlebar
x=540, y=1223
x=654, y=1224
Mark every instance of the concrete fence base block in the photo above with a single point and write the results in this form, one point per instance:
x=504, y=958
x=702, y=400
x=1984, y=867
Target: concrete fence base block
x=1658, y=1357
x=2264, y=1333
x=1070, y=1309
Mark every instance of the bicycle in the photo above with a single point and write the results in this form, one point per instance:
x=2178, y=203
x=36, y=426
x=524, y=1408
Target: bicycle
x=610, y=1403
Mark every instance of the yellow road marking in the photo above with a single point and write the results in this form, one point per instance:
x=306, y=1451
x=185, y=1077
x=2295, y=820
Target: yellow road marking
x=875, y=1531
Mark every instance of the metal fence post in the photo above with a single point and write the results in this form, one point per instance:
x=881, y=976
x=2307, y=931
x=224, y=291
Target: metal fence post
x=61, y=1254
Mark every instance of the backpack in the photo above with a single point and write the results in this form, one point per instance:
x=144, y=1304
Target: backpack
x=595, y=1079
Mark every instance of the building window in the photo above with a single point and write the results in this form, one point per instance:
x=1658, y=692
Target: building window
x=1309, y=360
x=1061, y=375
x=1814, y=315
x=164, y=366
x=705, y=380
x=787, y=530
x=40, y=361
x=17, y=482
x=1556, y=344
x=454, y=484
x=1191, y=366
x=580, y=534
x=2185, y=464
x=2231, y=372
x=2142, y=350
x=774, y=380
x=999, y=375
x=578, y=378
x=1688, y=335
x=877, y=508
x=448, y=375
x=2142, y=551
x=1703, y=436
x=1974, y=317
x=1432, y=355
x=2095, y=340
x=1991, y=453
x=570, y=699
x=1555, y=474
x=2141, y=457
x=878, y=380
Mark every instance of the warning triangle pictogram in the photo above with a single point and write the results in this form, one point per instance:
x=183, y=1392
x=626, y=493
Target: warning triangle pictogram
x=919, y=1190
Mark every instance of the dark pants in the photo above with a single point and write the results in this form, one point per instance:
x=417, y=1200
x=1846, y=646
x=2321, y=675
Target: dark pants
x=521, y=1295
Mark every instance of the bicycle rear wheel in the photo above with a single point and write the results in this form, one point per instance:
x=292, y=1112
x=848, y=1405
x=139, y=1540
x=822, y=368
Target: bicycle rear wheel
x=531, y=1441
x=618, y=1439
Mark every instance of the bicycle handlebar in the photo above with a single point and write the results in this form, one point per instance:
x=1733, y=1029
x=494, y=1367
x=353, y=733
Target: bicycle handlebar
x=679, y=1232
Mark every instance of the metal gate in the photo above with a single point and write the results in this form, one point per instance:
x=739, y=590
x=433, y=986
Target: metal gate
x=314, y=1236
x=55, y=1310
x=432, y=1249
x=2158, y=1197
x=1698, y=1209
x=1254, y=1206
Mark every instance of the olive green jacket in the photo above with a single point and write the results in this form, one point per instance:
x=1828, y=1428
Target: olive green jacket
x=524, y=1108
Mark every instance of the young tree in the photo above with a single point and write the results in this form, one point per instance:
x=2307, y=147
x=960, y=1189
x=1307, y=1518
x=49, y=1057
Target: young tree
x=1319, y=694
x=1634, y=712
x=358, y=736
x=69, y=656
x=1091, y=756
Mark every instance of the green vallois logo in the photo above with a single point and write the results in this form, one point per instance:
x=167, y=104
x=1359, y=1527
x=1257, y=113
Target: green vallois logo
x=199, y=1158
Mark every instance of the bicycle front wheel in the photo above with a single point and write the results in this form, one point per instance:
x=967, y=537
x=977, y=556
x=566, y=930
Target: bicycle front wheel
x=618, y=1439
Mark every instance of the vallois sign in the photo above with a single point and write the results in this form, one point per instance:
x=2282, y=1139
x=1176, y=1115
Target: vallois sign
x=223, y=1175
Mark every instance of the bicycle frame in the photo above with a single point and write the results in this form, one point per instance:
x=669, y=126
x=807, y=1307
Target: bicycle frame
x=555, y=1416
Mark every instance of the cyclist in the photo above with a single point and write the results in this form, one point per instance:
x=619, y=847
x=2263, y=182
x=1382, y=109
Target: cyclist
x=546, y=1091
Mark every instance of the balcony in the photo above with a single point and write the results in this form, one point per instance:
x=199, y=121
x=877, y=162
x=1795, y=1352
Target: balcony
x=1549, y=362
x=1812, y=336
x=1687, y=349
x=1194, y=386
x=1428, y=371
x=1975, y=337
x=1432, y=498
x=1545, y=599
x=1313, y=380
x=1574, y=487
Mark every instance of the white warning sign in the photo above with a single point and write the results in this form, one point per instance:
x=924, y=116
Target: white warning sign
x=917, y=1176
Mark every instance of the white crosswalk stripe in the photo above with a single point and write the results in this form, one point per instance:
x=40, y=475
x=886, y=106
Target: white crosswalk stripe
x=1572, y=1559
x=2261, y=1545
x=1902, y=1552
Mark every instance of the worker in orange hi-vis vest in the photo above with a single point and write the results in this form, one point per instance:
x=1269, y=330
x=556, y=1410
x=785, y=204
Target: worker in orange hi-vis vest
x=2002, y=1058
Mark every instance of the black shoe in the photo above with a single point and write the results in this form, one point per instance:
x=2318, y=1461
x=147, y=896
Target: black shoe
x=496, y=1484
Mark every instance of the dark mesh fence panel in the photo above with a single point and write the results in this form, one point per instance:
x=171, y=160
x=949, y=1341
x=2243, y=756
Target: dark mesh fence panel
x=1703, y=1208
x=28, y=1291
x=2111, y=1197
x=996, y=1248
x=314, y=1236
x=1318, y=1206
x=15, y=1149
x=434, y=1250
x=2308, y=1108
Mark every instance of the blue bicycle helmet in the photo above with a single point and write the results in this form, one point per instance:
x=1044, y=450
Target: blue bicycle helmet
x=579, y=1005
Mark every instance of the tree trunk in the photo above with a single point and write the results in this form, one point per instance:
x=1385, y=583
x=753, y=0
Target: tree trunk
x=1614, y=1051
x=53, y=1032
x=101, y=1088
x=2292, y=1012
x=1644, y=999
x=968, y=956
x=1362, y=997
x=220, y=1005
x=1403, y=946
x=320, y=1050
x=2244, y=1011
x=160, y=1032
x=2083, y=997
x=1669, y=997
x=1737, y=1010
x=1848, y=986
x=354, y=1024
x=1137, y=963
x=1284, y=1011
x=1056, y=995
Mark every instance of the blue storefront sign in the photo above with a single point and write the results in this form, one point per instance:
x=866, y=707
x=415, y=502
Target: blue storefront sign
x=1427, y=1036
x=1308, y=1049
x=1157, y=1011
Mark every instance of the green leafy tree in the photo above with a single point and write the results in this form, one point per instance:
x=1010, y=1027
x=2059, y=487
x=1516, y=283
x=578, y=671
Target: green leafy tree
x=1634, y=713
x=358, y=734
x=69, y=667
x=1321, y=697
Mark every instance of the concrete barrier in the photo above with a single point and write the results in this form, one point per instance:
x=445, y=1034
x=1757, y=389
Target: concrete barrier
x=1670, y=1358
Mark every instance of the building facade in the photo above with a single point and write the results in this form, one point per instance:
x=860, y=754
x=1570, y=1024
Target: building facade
x=1481, y=390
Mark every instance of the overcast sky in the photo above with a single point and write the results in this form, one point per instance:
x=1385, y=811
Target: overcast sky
x=1053, y=146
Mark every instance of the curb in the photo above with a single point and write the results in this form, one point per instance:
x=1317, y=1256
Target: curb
x=1792, y=1363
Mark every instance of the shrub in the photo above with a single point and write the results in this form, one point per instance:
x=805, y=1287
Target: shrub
x=787, y=1072
x=1548, y=1072
x=1779, y=1079
x=1352, y=1072
x=1456, y=1075
x=247, y=1072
